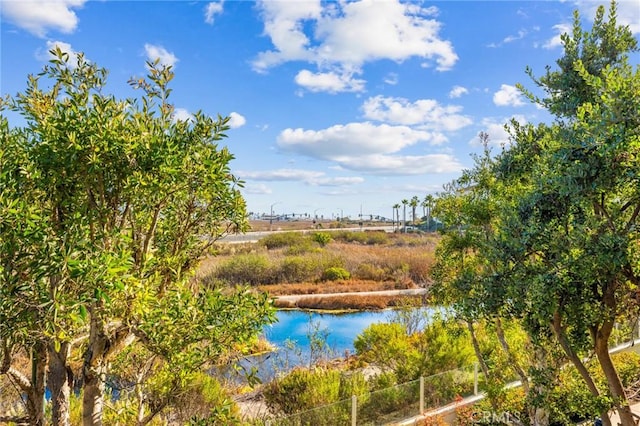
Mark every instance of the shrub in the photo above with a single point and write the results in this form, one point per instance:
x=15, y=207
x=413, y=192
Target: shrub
x=369, y=237
x=300, y=247
x=205, y=402
x=322, y=238
x=442, y=345
x=245, y=269
x=377, y=238
x=296, y=269
x=335, y=273
x=282, y=239
x=367, y=271
x=304, y=389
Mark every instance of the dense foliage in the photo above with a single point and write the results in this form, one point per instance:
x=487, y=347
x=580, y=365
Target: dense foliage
x=106, y=207
x=545, y=232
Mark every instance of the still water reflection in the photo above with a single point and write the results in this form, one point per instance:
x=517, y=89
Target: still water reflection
x=291, y=337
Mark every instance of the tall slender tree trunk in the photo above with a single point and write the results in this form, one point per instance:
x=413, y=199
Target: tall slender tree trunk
x=601, y=343
x=576, y=361
x=534, y=417
x=102, y=346
x=94, y=372
x=35, y=399
x=60, y=379
x=481, y=361
x=540, y=414
x=510, y=356
x=32, y=388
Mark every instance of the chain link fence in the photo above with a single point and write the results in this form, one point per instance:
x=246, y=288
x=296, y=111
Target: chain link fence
x=389, y=405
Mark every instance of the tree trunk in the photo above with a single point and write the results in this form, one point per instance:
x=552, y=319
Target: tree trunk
x=94, y=372
x=540, y=415
x=59, y=381
x=609, y=370
x=576, y=361
x=536, y=418
x=32, y=389
x=35, y=398
x=510, y=357
x=93, y=394
x=483, y=364
x=102, y=346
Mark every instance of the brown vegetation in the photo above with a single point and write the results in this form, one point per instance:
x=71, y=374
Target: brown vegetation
x=344, y=302
x=293, y=263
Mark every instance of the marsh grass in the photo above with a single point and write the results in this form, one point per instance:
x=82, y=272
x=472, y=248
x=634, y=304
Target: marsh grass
x=290, y=263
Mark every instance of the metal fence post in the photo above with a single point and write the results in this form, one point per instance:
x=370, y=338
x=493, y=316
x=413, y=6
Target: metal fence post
x=354, y=410
x=475, y=378
x=421, y=395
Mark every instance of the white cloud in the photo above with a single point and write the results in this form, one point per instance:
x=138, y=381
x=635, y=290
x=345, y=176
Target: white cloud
x=236, y=120
x=40, y=16
x=369, y=31
x=391, y=79
x=283, y=23
x=329, y=82
x=369, y=148
x=403, y=165
x=353, y=139
x=555, y=41
x=507, y=96
x=342, y=36
x=181, y=114
x=458, y=91
x=495, y=128
x=256, y=188
x=45, y=55
x=510, y=38
x=165, y=57
x=427, y=113
x=211, y=10
x=309, y=177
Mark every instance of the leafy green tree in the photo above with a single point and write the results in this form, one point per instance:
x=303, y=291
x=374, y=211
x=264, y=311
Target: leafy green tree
x=562, y=253
x=130, y=199
x=22, y=236
x=580, y=211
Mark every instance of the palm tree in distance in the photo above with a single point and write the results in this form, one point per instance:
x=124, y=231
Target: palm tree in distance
x=428, y=205
x=414, y=205
x=404, y=214
x=396, y=208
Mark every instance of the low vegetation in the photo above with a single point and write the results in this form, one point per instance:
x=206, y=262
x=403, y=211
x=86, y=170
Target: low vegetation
x=300, y=263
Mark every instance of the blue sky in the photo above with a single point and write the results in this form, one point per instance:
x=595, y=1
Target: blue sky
x=337, y=107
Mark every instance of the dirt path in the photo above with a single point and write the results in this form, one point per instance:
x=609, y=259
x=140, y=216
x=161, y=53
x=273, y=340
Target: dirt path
x=294, y=298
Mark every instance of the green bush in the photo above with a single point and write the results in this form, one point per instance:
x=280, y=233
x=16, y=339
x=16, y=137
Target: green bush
x=367, y=271
x=282, y=239
x=335, y=273
x=250, y=269
x=442, y=345
x=303, y=246
x=322, y=238
x=305, y=389
x=296, y=269
x=205, y=402
x=368, y=237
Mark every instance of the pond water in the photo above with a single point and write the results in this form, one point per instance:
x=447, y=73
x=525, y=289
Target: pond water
x=340, y=329
x=291, y=337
